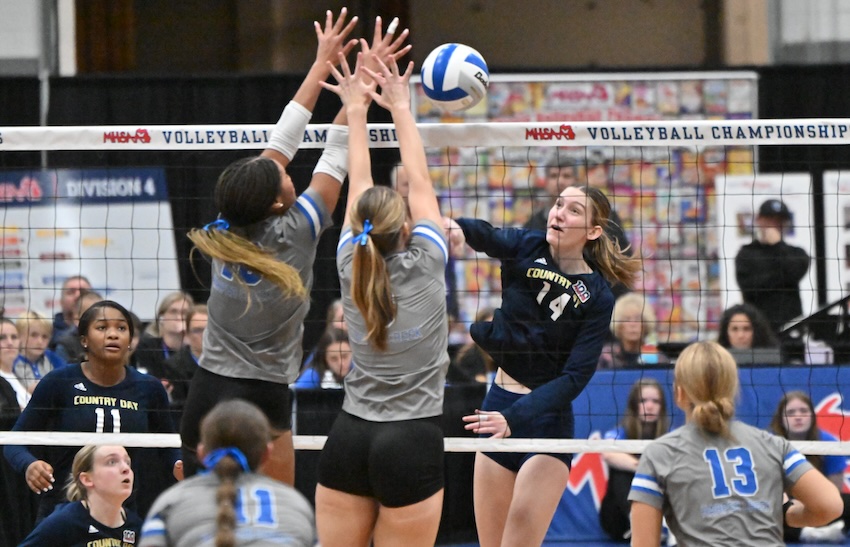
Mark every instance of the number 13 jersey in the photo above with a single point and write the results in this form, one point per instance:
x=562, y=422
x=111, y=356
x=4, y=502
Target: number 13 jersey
x=716, y=491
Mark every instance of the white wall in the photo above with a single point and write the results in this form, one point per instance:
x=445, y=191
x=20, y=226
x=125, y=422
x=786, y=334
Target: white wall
x=20, y=36
x=815, y=21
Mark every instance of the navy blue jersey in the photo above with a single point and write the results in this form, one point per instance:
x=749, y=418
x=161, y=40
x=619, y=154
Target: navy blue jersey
x=65, y=400
x=72, y=526
x=550, y=329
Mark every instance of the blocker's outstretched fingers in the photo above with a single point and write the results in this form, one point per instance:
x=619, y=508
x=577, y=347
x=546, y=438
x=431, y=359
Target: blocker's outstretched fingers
x=392, y=26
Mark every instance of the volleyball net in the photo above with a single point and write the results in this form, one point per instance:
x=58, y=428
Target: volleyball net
x=114, y=203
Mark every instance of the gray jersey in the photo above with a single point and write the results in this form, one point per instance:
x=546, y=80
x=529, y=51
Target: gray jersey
x=267, y=513
x=262, y=341
x=407, y=380
x=715, y=491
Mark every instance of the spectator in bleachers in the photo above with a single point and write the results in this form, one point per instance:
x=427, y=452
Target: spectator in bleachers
x=646, y=417
x=181, y=366
x=768, y=270
x=633, y=325
x=138, y=327
x=9, y=350
x=65, y=320
x=743, y=326
x=334, y=319
x=336, y=315
x=795, y=420
x=68, y=347
x=18, y=503
x=35, y=359
x=165, y=335
x=331, y=363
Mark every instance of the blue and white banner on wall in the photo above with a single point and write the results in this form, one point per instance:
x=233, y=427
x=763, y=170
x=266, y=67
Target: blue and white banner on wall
x=602, y=404
x=113, y=226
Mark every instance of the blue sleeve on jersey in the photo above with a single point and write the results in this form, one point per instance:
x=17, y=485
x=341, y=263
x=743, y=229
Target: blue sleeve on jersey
x=579, y=369
x=344, y=238
x=501, y=243
x=428, y=232
x=792, y=460
x=310, y=209
x=153, y=532
x=647, y=484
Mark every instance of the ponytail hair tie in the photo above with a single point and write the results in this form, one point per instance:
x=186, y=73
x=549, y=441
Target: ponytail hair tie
x=364, y=235
x=218, y=224
x=216, y=456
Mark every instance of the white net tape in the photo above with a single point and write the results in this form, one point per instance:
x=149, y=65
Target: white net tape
x=250, y=137
x=316, y=442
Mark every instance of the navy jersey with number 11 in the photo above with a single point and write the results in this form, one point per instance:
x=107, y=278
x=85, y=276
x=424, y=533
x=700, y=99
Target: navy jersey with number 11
x=65, y=400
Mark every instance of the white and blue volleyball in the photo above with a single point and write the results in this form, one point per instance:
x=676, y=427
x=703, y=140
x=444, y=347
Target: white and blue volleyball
x=455, y=77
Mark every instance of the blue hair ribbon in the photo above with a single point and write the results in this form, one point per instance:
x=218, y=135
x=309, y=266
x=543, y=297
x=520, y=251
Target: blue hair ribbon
x=364, y=235
x=216, y=456
x=217, y=224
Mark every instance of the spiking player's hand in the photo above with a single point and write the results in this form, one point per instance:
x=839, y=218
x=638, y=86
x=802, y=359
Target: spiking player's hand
x=485, y=422
x=455, y=237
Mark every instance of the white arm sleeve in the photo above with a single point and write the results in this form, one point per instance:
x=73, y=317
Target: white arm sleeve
x=334, y=160
x=287, y=135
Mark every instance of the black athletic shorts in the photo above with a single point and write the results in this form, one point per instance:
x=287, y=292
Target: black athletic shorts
x=208, y=389
x=396, y=463
x=552, y=425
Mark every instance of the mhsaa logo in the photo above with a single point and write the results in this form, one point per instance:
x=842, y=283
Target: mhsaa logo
x=141, y=135
x=565, y=132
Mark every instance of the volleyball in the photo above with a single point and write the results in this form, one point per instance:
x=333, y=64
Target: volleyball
x=455, y=77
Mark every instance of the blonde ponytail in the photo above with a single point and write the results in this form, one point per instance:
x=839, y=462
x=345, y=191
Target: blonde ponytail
x=708, y=375
x=235, y=250
x=377, y=219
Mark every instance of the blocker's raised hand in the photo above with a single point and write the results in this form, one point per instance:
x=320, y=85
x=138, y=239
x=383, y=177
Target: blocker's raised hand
x=395, y=85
